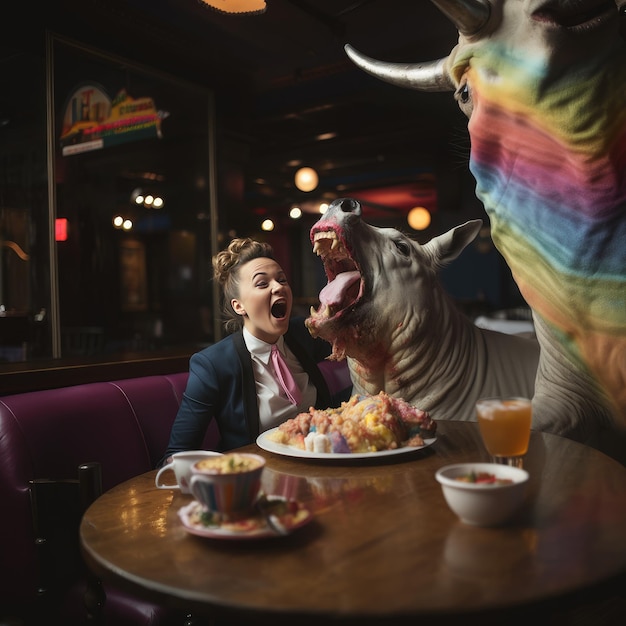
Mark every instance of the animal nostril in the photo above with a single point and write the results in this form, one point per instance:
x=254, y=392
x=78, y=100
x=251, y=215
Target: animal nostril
x=349, y=205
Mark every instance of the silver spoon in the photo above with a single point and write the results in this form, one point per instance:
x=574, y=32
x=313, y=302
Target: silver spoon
x=264, y=507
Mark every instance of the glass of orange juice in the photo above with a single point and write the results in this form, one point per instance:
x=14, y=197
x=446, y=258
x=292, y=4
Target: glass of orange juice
x=505, y=428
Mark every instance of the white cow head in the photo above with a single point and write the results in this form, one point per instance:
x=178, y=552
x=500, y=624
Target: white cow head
x=382, y=286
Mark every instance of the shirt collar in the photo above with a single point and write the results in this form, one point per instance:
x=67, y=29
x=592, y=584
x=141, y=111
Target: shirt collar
x=259, y=348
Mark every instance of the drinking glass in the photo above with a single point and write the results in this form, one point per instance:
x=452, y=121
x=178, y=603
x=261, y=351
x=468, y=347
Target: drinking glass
x=505, y=428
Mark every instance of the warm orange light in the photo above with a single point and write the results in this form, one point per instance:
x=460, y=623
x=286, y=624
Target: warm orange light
x=306, y=179
x=237, y=6
x=419, y=218
x=60, y=229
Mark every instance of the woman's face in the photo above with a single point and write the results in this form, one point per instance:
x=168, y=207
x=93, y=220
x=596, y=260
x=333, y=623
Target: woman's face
x=265, y=299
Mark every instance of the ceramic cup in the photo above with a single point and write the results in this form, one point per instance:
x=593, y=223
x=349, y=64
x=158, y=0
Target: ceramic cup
x=229, y=485
x=180, y=465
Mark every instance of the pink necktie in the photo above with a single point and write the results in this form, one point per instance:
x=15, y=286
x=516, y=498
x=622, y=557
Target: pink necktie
x=284, y=376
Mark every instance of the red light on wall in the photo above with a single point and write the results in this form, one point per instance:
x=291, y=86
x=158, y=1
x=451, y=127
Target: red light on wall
x=60, y=229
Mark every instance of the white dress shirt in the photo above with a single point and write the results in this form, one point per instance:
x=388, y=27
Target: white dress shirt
x=274, y=406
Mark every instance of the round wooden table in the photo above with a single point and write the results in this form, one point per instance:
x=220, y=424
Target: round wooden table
x=383, y=547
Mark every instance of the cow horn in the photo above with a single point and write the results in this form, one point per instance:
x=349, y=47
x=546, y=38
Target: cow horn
x=430, y=76
x=469, y=16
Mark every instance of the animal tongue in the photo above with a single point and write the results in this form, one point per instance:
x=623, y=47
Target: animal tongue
x=335, y=292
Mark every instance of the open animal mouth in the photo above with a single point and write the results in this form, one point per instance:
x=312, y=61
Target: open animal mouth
x=575, y=14
x=345, y=283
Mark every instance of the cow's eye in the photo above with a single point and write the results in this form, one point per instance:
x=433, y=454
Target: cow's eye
x=402, y=246
x=463, y=97
x=463, y=94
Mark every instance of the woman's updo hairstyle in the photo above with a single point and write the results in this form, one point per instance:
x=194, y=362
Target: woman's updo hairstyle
x=226, y=265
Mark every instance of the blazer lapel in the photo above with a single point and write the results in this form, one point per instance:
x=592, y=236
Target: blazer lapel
x=250, y=405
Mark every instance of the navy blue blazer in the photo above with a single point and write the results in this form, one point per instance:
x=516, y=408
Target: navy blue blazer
x=221, y=386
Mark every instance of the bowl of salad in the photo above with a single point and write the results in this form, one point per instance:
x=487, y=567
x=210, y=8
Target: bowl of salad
x=483, y=494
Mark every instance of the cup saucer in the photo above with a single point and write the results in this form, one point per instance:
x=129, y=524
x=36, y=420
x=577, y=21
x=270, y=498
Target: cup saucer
x=290, y=514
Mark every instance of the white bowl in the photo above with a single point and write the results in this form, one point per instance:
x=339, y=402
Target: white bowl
x=483, y=504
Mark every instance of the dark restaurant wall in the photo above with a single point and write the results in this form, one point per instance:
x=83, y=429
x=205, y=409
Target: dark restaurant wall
x=108, y=295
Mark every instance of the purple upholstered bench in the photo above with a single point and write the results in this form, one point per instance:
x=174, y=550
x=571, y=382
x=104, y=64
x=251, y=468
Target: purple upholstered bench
x=122, y=425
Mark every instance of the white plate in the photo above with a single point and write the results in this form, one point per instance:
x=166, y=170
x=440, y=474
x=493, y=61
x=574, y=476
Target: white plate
x=264, y=442
x=218, y=532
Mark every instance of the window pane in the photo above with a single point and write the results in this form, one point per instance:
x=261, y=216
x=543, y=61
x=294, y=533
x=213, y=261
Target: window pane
x=24, y=249
x=133, y=184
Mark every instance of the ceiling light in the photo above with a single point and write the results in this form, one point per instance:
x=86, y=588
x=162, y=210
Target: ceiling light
x=136, y=196
x=236, y=6
x=325, y=136
x=267, y=224
x=419, y=218
x=295, y=213
x=306, y=179
x=323, y=208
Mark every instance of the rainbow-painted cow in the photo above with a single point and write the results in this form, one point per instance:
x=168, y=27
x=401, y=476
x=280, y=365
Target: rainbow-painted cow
x=543, y=83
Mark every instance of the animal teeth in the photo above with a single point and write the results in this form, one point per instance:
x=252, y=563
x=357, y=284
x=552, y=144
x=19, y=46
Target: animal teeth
x=325, y=234
x=324, y=241
x=327, y=312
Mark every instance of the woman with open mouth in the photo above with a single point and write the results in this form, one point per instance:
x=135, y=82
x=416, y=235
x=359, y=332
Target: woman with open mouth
x=237, y=381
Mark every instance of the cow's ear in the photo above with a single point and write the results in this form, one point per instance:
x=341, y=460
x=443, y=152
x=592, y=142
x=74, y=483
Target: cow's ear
x=447, y=247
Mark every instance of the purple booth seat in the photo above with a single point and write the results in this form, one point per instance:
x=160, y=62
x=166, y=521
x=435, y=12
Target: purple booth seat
x=337, y=376
x=123, y=425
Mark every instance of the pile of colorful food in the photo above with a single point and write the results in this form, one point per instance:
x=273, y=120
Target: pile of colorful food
x=362, y=424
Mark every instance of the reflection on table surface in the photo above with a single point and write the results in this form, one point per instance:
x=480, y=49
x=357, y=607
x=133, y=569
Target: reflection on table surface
x=383, y=546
